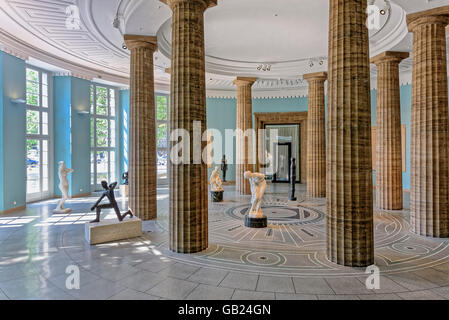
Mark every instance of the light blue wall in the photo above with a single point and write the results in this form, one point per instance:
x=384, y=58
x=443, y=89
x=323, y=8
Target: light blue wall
x=406, y=107
x=221, y=115
x=124, y=128
x=72, y=132
x=80, y=136
x=12, y=145
x=61, y=132
x=1, y=133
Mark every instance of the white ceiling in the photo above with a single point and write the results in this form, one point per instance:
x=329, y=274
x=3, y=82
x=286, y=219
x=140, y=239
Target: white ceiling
x=289, y=36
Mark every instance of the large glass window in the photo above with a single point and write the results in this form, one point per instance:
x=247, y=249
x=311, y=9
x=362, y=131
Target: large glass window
x=103, y=135
x=37, y=134
x=162, y=118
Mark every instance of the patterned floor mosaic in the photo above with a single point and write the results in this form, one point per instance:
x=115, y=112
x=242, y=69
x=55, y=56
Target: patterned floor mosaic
x=284, y=261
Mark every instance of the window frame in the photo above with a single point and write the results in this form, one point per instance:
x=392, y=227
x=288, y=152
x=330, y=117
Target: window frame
x=41, y=195
x=95, y=185
x=167, y=124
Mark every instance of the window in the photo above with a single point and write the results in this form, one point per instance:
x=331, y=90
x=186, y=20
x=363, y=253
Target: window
x=103, y=135
x=162, y=118
x=37, y=134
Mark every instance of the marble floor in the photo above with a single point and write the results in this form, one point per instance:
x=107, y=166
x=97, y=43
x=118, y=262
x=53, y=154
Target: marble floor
x=284, y=261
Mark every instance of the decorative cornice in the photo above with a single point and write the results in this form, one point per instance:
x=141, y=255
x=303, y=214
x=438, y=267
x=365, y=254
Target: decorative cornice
x=18, y=48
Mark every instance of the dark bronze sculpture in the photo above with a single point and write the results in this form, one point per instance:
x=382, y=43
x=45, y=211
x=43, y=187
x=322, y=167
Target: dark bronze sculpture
x=292, y=179
x=224, y=167
x=125, y=177
x=109, y=193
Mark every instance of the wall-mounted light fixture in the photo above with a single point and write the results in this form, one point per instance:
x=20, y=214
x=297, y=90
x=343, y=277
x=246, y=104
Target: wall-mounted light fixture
x=18, y=101
x=84, y=112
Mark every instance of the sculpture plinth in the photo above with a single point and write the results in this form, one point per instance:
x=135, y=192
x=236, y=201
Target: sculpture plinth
x=251, y=222
x=217, y=196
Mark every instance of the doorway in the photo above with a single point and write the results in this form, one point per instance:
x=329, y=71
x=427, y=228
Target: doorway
x=278, y=156
x=282, y=162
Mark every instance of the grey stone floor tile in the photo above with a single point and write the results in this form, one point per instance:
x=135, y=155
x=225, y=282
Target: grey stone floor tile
x=208, y=276
x=97, y=290
x=3, y=296
x=116, y=273
x=437, y=277
x=338, y=297
x=242, y=281
x=443, y=292
x=179, y=271
x=295, y=296
x=23, y=287
x=155, y=264
x=130, y=294
x=86, y=277
x=347, y=285
x=420, y=295
x=142, y=280
x=312, y=286
x=275, y=284
x=252, y=295
x=411, y=281
x=207, y=292
x=173, y=289
x=381, y=296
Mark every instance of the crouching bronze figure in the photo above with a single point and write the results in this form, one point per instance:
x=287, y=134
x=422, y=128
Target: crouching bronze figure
x=109, y=193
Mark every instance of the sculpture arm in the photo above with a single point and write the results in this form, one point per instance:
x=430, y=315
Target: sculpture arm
x=97, y=203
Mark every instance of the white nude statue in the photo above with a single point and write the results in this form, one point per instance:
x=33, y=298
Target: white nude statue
x=63, y=172
x=258, y=187
x=215, y=180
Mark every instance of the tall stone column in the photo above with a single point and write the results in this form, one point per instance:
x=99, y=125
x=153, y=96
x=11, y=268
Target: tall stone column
x=188, y=178
x=244, y=143
x=142, y=128
x=349, y=187
x=316, y=136
x=388, y=131
x=429, y=197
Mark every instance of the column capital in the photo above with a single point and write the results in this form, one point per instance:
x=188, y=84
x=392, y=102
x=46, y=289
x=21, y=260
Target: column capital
x=208, y=3
x=244, y=81
x=315, y=76
x=134, y=41
x=389, y=56
x=433, y=16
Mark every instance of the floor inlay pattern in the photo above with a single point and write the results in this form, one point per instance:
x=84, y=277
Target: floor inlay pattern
x=283, y=261
x=294, y=242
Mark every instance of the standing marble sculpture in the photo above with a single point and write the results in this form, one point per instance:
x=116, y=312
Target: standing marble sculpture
x=63, y=172
x=256, y=218
x=216, y=185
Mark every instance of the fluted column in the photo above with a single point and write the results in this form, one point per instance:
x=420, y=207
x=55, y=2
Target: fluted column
x=429, y=197
x=142, y=128
x=349, y=187
x=316, y=136
x=244, y=143
x=388, y=131
x=188, y=179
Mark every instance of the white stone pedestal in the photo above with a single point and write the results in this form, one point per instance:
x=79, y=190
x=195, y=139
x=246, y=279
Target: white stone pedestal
x=112, y=230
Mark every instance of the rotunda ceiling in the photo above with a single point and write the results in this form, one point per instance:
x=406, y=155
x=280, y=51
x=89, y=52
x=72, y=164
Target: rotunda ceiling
x=276, y=41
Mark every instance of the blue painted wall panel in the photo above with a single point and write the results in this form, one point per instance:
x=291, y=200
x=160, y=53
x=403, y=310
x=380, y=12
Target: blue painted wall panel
x=124, y=130
x=61, y=124
x=80, y=91
x=13, y=166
